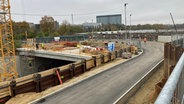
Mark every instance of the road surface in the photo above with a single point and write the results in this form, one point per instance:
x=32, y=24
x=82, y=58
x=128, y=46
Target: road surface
x=108, y=86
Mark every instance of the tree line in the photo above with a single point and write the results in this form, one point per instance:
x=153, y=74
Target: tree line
x=48, y=27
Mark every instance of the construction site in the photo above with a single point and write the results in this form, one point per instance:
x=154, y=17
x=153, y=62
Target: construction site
x=114, y=67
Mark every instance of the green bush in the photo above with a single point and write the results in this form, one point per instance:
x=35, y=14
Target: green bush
x=18, y=44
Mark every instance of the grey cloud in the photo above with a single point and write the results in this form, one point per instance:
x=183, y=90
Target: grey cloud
x=143, y=11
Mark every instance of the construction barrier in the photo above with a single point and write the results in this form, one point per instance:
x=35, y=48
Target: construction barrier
x=43, y=80
x=172, y=54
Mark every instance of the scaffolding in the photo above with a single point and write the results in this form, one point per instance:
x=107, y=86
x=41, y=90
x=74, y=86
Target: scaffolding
x=7, y=48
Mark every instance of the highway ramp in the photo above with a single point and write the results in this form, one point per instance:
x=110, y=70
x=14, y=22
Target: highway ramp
x=108, y=86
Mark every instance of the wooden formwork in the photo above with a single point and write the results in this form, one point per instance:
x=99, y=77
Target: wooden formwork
x=98, y=60
x=43, y=80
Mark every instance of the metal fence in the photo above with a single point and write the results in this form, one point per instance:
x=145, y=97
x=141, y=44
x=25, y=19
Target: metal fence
x=63, y=38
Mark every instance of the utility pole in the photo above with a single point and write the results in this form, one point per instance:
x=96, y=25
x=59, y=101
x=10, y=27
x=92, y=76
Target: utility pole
x=130, y=28
x=72, y=18
x=125, y=26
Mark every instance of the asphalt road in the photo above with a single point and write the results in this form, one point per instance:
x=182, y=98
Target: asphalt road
x=108, y=86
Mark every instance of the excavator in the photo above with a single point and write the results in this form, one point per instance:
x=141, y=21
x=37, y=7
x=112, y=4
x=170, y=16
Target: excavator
x=7, y=48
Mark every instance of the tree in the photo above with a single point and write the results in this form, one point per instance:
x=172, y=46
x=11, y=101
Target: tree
x=21, y=30
x=47, y=25
x=67, y=29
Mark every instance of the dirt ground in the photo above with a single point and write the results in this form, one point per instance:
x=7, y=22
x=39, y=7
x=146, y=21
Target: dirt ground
x=145, y=94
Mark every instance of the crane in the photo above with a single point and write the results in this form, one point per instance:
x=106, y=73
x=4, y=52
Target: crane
x=7, y=47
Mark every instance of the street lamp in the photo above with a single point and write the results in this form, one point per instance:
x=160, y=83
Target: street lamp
x=125, y=26
x=130, y=28
x=125, y=23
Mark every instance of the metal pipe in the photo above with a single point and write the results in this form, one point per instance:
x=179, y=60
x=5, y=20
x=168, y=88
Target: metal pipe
x=168, y=91
x=125, y=23
x=130, y=29
x=182, y=102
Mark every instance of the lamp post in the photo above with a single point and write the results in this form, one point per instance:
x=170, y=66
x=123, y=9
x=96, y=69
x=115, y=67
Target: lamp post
x=125, y=26
x=130, y=28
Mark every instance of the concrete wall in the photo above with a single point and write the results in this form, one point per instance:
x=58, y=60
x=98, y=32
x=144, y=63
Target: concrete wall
x=29, y=65
x=164, y=38
x=170, y=38
x=18, y=64
x=26, y=65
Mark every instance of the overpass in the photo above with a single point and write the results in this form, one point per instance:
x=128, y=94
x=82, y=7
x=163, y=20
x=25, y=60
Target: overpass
x=106, y=87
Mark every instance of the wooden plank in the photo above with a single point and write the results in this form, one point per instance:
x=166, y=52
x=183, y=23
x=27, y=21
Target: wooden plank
x=66, y=74
x=6, y=83
x=47, y=82
x=4, y=94
x=77, y=63
x=106, y=58
x=166, y=59
x=90, y=63
x=173, y=58
x=79, y=70
x=113, y=56
x=24, y=80
x=28, y=87
x=48, y=72
x=98, y=60
x=4, y=90
x=64, y=67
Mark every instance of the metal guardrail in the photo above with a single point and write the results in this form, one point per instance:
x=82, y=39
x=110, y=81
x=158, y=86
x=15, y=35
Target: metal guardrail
x=173, y=90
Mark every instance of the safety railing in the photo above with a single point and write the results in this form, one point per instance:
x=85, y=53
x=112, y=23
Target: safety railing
x=173, y=91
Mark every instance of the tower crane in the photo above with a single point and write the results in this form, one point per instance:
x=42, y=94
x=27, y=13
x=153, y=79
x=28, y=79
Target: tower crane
x=7, y=48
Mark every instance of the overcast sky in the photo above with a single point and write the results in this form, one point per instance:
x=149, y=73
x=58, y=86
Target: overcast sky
x=143, y=11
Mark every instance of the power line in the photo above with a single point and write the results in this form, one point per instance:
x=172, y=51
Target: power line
x=96, y=12
x=60, y=15
x=38, y=14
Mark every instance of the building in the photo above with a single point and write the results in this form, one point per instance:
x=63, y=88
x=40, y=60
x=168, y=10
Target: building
x=109, y=19
x=56, y=25
x=91, y=26
x=31, y=25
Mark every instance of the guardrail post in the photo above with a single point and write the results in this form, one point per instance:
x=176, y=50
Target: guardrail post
x=120, y=52
x=73, y=67
x=171, y=68
x=116, y=54
x=13, y=88
x=84, y=64
x=166, y=59
x=94, y=58
x=173, y=55
x=71, y=71
x=37, y=80
x=102, y=58
x=110, y=56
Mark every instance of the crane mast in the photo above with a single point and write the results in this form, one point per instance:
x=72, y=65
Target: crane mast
x=7, y=48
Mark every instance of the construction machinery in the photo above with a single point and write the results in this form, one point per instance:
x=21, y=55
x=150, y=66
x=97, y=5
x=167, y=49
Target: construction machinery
x=7, y=48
